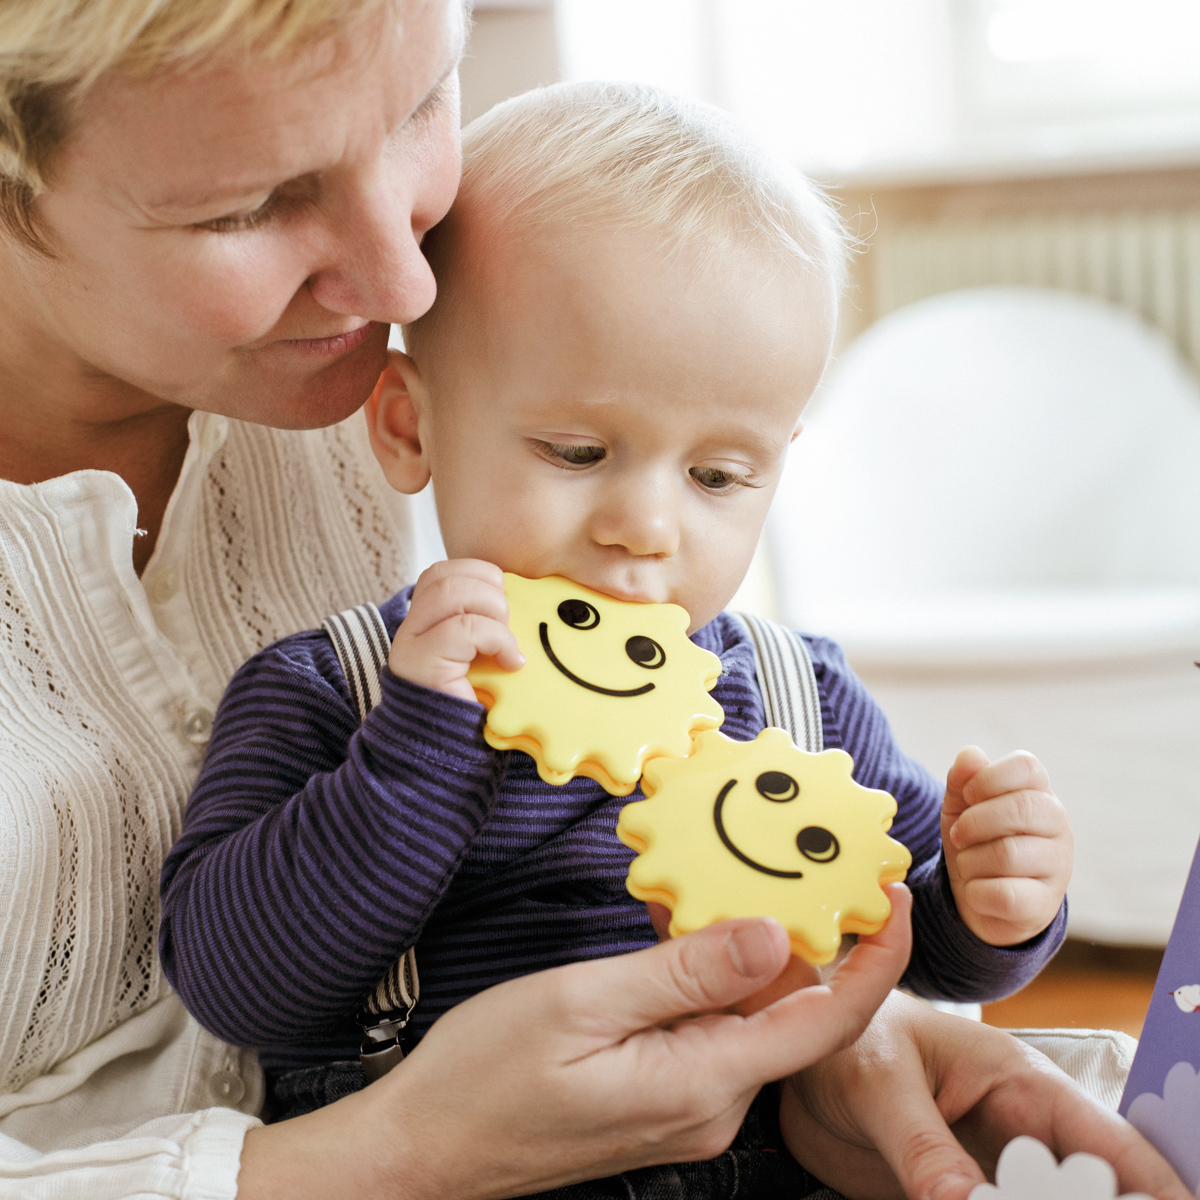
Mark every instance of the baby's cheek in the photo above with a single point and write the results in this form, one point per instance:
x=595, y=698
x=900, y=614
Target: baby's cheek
x=710, y=579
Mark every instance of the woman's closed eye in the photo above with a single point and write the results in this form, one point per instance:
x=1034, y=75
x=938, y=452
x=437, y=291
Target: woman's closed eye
x=570, y=455
x=286, y=198
x=233, y=222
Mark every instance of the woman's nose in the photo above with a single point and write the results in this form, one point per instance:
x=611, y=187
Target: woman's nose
x=377, y=270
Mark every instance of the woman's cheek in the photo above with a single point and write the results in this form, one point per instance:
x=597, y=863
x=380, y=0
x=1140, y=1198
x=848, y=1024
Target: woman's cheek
x=243, y=296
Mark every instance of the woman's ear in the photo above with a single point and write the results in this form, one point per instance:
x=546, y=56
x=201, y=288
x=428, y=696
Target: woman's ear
x=393, y=414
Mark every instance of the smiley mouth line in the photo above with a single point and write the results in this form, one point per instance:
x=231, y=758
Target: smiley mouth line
x=733, y=849
x=544, y=633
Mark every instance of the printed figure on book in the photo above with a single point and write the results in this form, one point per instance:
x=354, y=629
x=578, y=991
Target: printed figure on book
x=1162, y=1096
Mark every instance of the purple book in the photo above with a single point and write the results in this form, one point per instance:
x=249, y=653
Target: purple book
x=1162, y=1095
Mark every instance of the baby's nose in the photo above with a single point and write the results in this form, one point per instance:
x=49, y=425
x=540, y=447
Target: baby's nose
x=644, y=524
x=643, y=529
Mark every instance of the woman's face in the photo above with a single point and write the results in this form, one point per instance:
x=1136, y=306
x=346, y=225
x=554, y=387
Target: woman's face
x=237, y=237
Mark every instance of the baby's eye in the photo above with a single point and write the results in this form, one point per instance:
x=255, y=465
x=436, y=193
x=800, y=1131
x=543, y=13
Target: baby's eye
x=572, y=456
x=716, y=480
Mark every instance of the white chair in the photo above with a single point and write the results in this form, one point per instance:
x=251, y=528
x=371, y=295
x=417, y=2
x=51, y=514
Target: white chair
x=995, y=507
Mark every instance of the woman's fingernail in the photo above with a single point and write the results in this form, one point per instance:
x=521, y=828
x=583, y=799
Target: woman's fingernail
x=752, y=950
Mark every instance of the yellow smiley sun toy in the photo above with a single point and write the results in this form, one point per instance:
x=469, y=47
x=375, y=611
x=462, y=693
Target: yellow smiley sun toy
x=607, y=684
x=746, y=829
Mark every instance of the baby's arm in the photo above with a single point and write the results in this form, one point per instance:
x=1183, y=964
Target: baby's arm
x=1008, y=845
x=313, y=850
x=948, y=960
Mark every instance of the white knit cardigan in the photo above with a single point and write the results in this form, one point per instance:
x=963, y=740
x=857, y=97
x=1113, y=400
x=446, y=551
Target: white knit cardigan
x=107, y=689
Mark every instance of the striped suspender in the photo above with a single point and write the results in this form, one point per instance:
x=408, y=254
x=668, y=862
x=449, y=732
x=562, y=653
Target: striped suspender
x=360, y=638
x=786, y=681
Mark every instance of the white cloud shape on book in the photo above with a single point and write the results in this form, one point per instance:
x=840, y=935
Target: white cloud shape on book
x=1028, y=1171
x=1170, y=1122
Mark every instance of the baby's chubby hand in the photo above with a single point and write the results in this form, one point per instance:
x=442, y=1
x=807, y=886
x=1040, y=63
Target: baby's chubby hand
x=458, y=610
x=1008, y=845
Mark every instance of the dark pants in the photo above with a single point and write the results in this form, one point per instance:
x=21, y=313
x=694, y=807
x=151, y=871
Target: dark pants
x=756, y=1167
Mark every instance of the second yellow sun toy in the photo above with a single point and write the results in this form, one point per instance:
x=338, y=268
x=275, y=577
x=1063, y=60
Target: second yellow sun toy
x=607, y=684
x=746, y=829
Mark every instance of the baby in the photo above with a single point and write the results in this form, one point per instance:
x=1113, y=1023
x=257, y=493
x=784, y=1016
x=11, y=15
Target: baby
x=634, y=305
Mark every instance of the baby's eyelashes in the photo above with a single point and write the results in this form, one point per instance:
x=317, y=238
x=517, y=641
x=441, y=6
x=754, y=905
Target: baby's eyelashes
x=720, y=479
x=568, y=455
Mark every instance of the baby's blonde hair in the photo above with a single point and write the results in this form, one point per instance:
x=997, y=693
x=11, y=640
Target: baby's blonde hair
x=52, y=51
x=635, y=157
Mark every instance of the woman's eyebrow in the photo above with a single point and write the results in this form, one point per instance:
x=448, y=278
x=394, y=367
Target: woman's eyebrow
x=251, y=189
x=184, y=201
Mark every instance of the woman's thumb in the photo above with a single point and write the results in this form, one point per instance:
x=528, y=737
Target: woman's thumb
x=699, y=972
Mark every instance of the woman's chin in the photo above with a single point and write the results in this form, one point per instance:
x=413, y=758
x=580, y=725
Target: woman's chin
x=287, y=390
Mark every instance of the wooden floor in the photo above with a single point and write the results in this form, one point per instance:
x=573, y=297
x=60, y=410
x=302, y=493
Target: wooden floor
x=1088, y=986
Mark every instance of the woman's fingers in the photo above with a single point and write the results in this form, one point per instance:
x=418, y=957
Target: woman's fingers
x=810, y=1023
x=1029, y=1095
x=702, y=972
x=919, y=1147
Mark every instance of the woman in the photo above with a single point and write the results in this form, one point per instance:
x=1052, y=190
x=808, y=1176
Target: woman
x=212, y=211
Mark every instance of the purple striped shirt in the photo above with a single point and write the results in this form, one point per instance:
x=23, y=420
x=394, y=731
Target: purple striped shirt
x=315, y=851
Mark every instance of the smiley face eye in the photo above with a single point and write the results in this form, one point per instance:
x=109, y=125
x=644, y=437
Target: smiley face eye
x=646, y=652
x=579, y=614
x=777, y=787
x=817, y=845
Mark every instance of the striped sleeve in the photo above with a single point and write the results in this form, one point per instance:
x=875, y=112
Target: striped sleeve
x=314, y=850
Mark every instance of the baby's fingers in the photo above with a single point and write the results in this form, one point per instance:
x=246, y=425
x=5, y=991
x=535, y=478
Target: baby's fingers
x=451, y=568
x=1031, y=857
x=451, y=595
x=461, y=638
x=1013, y=901
x=967, y=765
x=1015, y=772
x=1014, y=814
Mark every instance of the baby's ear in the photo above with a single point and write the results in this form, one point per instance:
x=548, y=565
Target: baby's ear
x=393, y=421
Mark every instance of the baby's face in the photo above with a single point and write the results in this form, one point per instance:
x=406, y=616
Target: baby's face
x=593, y=408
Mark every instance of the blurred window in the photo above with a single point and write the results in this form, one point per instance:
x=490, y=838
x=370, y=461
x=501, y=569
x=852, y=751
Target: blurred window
x=849, y=85
x=1040, y=60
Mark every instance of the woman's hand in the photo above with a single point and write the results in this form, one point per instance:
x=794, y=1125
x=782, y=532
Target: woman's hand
x=581, y=1072
x=458, y=610
x=875, y=1121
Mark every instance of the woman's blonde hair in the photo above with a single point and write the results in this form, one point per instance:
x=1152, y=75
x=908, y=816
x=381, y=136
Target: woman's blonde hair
x=638, y=157
x=52, y=51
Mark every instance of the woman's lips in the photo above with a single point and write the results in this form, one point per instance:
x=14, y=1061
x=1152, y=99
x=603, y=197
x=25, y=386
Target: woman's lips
x=328, y=347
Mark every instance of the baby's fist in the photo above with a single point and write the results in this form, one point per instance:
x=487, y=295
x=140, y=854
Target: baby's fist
x=1008, y=845
x=457, y=611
